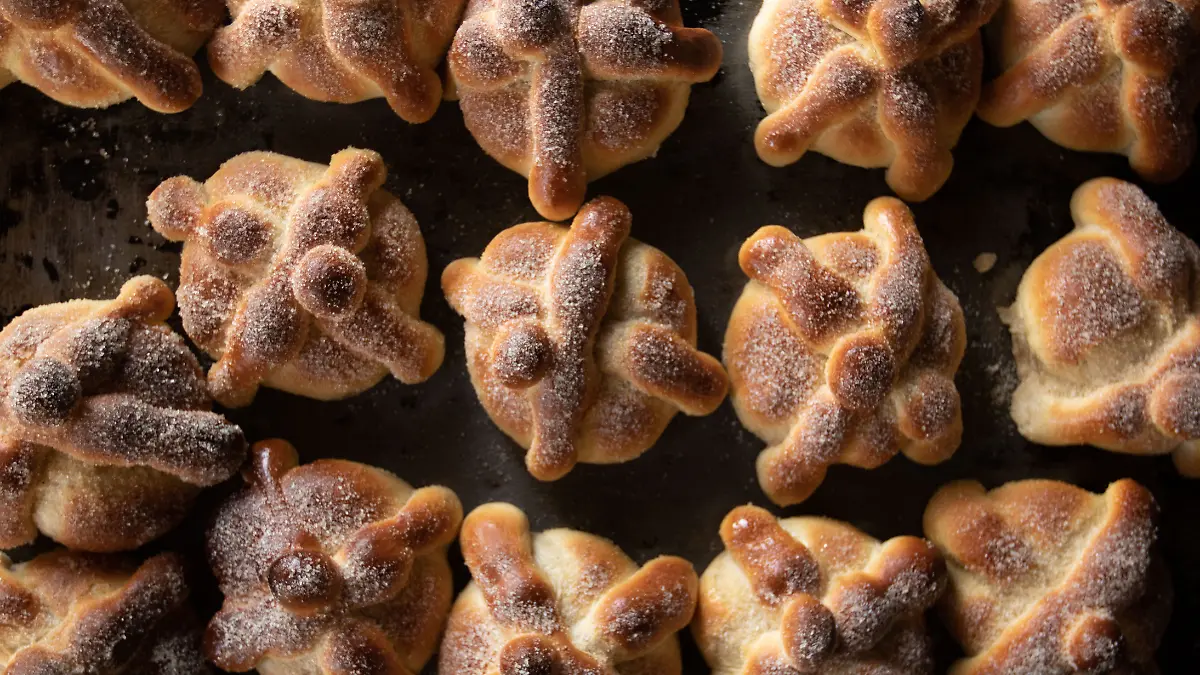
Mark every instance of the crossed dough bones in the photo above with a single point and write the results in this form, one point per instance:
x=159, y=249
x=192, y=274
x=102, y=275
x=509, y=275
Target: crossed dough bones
x=1106, y=332
x=330, y=568
x=566, y=91
x=1047, y=578
x=105, y=429
x=96, y=53
x=871, y=83
x=813, y=595
x=304, y=277
x=843, y=348
x=341, y=50
x=71, y=612
x=563, y=602
x=581, y=343
x=1118, y=76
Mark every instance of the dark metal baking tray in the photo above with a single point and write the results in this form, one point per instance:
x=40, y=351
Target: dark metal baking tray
x=72, y=224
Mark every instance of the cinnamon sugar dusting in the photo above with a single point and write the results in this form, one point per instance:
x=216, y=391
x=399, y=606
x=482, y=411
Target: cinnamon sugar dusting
x=309, y=556
x=564, y=91
x=313, y=261
x=843, y=348
x=108, y=385
x=1088, y=574
x=1103, y=78
x=96, y=53
x=811, y=594
x=560, y=333
x=1105, y=330
x=561, y=601
x=906, y=75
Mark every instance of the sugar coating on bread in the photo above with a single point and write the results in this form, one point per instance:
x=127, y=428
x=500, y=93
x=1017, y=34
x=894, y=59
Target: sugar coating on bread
x=843, y=349
x=105, y=424
x=96, y=53
x=332, y=50
x=328, y=568
x=566, y=91
x=1119, y=76
x=813, y=595
x=70, y=612
x=877, y=83
x=1048, y=578
x=562, y=601
x=303, y=277
x=1106, y=332
x=581, y=341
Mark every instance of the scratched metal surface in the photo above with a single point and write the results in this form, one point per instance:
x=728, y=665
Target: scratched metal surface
x=72, y=224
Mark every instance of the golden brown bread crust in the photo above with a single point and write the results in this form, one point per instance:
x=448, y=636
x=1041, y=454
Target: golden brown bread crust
x=581, y=342
x=329, y=568
x=1106, y=332
x=880, y=83
x=95, y=53
x=68, y=612
x=843, y=349
x=340, y=50
x=303, y=277
x=1048, y=578
x=105, y=429
x=563, y=602
x=813, y=595
x=566, y=91
x=1118, y=76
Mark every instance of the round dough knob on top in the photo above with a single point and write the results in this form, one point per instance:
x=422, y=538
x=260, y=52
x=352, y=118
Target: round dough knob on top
x=1106, y=332
x=843, y=349
x=106, y=433
x=581, y=342
x=872, y=83
x=329, y=568
x=566, y=91
x=97, y=53
x=344, y=52
x=299, y=276
x=562, y=602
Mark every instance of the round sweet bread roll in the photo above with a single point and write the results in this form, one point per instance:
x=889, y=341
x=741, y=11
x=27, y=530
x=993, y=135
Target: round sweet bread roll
x=581, y=342
x=330, y=568
x=71, y=612
x=562, y=601
x=299, y=276
x=1119, y=76
x=567, y=91
x=1106, y=332
x=1051, y=579
x=96, y=53
x=344, y=52
x=106, y=433
x=873, y=83
x=843, y=349
x=814, y=595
